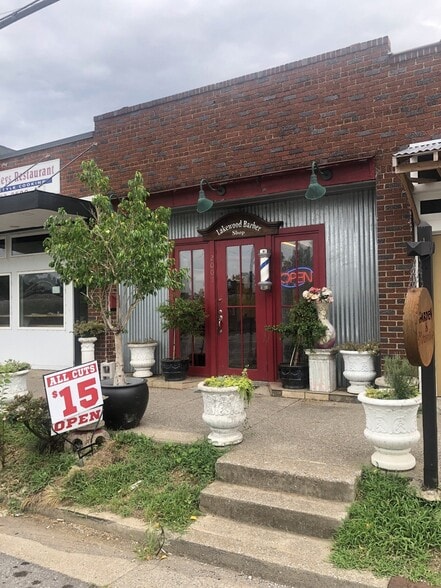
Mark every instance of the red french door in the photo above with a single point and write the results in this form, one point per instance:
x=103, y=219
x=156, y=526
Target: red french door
x=241, y=309
x=227, y=274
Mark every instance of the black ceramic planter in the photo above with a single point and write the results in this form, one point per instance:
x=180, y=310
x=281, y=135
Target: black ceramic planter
x=174, y=370
x=124, y=406
x=294, y=377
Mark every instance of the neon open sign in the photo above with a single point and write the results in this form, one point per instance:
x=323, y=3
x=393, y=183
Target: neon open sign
x=296, y=277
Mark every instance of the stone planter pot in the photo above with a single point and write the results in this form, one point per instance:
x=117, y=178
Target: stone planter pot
x=17, y=385
x=87, y=349
x=224, y=412
x=142, y=358
x=359, y=370
x=124, y=406
x=391, y=425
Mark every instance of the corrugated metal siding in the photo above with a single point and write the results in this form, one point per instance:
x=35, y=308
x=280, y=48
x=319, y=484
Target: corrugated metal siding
x=145, y=323
x=349, y=217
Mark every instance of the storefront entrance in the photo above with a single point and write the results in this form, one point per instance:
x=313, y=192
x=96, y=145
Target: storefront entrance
x=248, y=281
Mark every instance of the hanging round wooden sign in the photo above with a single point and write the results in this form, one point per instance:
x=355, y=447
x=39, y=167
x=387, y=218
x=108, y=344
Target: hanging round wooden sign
x=419, y=338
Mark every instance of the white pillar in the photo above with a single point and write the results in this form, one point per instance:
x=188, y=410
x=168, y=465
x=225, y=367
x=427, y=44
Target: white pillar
x=322, y=370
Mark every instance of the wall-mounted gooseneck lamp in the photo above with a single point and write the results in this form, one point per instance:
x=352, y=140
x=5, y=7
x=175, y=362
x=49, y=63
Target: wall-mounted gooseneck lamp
x=315, y=190
x=205, y=203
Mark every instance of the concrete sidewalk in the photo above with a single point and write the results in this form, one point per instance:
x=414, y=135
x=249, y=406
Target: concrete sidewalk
x=305, y=430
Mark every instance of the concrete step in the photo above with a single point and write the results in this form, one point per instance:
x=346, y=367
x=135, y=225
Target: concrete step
x=277, y=556
x=279, y=510
x=270, y=472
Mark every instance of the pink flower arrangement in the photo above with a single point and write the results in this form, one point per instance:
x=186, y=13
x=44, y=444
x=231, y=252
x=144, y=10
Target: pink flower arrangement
x=319, y=294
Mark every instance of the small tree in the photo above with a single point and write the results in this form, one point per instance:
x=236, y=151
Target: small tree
x=302, y=328
x=186, y=315
x=126, y=247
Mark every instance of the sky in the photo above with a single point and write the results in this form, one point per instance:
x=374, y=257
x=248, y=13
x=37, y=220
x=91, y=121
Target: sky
x=76, y=59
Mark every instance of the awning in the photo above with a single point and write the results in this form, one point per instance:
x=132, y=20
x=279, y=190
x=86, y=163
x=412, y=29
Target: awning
x=418, y=163
x=30, y=210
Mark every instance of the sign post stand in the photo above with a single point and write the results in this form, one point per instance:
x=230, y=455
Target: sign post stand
x=424, y=249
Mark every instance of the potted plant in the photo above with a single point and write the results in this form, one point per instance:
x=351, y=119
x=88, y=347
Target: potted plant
x=302, y=329
x=87, y=333
x=119, y=256
x=13, y=375
x=185, y=316
x=225, y=399
x=391, y=415
x=142, y=357
x=359, y=364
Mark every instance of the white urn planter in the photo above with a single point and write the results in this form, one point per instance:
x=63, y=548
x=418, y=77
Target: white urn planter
x=17, y=385
x=391, y=425
x=142, y=358
x=359, y=369
x=87, y=348
x=224, y=412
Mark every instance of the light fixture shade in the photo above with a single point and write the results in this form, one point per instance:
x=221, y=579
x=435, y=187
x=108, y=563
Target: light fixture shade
x=315, y=190
x=204, y=203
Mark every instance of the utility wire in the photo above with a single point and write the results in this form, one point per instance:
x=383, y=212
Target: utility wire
x=24, y=11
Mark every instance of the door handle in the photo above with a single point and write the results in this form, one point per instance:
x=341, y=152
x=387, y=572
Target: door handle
x=220, y=320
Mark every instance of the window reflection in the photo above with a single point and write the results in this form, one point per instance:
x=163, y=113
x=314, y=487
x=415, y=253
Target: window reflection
x=193, y=261
x=41, y=300
x=241, y=284
x=297, y=275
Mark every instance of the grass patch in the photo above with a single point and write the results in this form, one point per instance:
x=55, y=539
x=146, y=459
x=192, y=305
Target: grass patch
x=28, y=469
x=390, y=530
x=134, y=476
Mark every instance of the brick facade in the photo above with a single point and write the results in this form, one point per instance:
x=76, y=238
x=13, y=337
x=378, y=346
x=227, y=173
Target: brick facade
x=350, y=105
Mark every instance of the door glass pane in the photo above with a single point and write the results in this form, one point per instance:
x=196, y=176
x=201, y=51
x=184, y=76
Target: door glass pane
x=41, y=300
x=249, y=337
x=233, y=275
x=241, y=283
x=297, y=269
x=247, y=274
x=193, y=348
x=5, y=312
x=297, y=275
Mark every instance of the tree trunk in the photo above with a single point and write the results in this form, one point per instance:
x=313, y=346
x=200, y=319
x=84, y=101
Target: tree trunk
x=120, y=379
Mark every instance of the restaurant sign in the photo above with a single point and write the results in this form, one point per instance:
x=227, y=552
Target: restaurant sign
x=42, y=176
x=238, y=225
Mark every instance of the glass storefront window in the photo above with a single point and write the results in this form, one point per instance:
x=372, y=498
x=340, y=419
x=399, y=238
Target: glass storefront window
x=41, y=300
x=27, y=245
x=5, y=301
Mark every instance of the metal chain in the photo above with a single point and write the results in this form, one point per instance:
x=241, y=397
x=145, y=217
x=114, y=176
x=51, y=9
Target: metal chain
x=416, y=274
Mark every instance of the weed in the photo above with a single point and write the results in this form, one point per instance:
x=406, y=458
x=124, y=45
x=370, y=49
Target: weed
x=390, y=530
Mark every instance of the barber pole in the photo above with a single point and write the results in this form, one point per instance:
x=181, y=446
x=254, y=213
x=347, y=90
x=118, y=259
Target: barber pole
x=265, y=255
